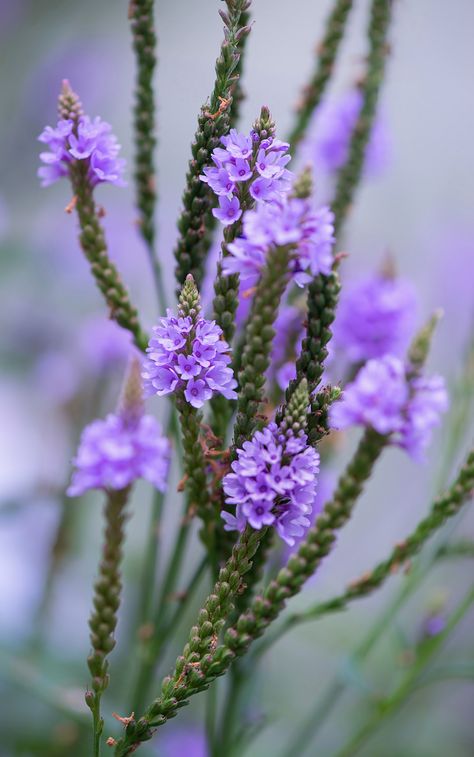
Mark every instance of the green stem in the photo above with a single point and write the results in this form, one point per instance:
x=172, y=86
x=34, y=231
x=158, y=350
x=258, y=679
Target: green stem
x=389, y=705
x=201, y=661
x=326, y=56
x=351, y=171
x=103, y=620
x=144, y=44
x=196, y=220
x=446, y=506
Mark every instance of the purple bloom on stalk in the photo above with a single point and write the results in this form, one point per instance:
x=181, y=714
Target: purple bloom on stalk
x=384, y=398
x=90, y=141
x=188, y=357
x=329, y=137
x=288, y=221
x=273, y=483
x=375, y=317
x=247, y=164
x=114, y=452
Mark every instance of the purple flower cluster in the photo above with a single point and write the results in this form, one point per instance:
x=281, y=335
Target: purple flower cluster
x=375, y=317
x=384, y=398
x=286, y=221
x=114, y=452
x=247, y=164
x=328, y=143
x=273, y=483
x=188, y=356
x=91, y=141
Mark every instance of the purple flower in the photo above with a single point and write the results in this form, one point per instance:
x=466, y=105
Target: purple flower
x=273, y=483
x=375, y=317
x=288, y=221
x=90, y=141
x=114, y=452
x=188, y=357
x=247, y=165
x=329, y=136
x=384, y=398
x=228, y=211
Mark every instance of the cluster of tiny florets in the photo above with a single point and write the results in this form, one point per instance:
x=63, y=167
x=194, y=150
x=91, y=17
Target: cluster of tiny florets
x=117, y=450
x=384, y=397
x=247, y=164
x=286, y=221
x=84, y=140
x=273, y=483
x=191, y=357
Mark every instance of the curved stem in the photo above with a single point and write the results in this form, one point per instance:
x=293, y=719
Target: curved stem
x=397, y=698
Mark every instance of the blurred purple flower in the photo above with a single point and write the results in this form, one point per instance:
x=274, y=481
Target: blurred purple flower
x=115, y=452
x=383, y=398
x=329, y=136
x=91, y=141
x=187, y=741
x=376, y=317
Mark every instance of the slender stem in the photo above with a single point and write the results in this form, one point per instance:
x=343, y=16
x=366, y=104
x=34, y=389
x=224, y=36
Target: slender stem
x=327, y=52
x=151, y=559
x=141, y=14
x=398, y=697
x=351, y=171
x=310, y=727
x=211, y=713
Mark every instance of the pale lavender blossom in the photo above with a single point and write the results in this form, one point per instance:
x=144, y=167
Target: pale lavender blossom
x=384, y=397
x=188, y=357
x=287, y=221
x=89, y=141
x=273, y=483
x=116, y=451
x=376, y=317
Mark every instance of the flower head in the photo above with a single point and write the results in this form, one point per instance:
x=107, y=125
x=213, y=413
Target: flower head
x=375, y=318
x=247, y=164
x=83, y=140
x=329, y=138
x=273, y=483
x=114, y=452
x=384, y=396
x=190, y=356
x=286, y=221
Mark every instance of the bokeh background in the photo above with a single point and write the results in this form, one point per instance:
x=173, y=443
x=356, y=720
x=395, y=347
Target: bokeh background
x=62, y=362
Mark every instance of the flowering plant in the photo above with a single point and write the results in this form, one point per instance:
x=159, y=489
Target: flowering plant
x=254, y=404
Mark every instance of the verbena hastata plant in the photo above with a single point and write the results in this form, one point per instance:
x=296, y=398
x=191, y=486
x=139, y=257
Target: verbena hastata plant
x=246, y=380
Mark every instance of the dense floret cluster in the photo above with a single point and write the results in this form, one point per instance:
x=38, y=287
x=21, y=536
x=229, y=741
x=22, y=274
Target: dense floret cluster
x=191, y=357
x=247, y=164
x=273, y=483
